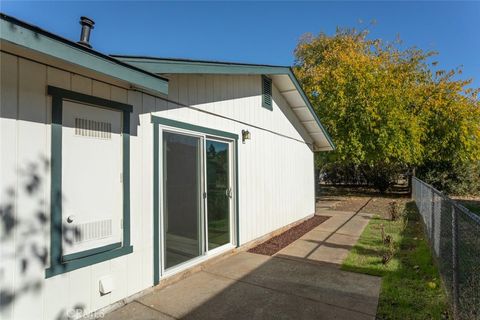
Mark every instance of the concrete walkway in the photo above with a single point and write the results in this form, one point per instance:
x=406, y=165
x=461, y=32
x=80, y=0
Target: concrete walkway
x=330, y=242
x=303, y=281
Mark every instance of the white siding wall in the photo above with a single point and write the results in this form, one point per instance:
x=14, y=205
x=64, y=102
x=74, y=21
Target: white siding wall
x=275, y=170
x=25, y=145
x=275, y=176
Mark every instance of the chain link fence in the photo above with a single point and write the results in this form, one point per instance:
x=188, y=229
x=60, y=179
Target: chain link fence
x=454, y=234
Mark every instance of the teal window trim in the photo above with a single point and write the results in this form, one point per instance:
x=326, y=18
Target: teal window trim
x=267, y=97
x=157, y=121
x=60, y=263
x=86, y=253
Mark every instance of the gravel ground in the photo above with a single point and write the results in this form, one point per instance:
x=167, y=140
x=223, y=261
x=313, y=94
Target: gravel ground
x=272, y=246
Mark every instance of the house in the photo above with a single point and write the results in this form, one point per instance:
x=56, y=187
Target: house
x=118, y=172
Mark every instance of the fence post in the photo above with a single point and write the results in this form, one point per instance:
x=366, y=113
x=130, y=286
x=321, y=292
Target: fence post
x=432, y=220
x=455, y=263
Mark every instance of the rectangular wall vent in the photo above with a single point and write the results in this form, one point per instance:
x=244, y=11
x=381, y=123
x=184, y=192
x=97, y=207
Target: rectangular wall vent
x=267, y=92
x=94, y=230
x=93, y=129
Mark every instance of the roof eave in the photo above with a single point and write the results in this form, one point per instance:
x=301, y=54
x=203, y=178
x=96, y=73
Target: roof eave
x=186, y=66
x=33, y=38
x=312, y=111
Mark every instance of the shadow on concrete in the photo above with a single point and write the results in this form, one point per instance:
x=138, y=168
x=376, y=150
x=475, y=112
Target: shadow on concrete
x=251, y=286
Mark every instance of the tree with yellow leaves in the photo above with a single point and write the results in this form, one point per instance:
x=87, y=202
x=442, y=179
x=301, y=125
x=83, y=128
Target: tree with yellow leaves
x=385, y=107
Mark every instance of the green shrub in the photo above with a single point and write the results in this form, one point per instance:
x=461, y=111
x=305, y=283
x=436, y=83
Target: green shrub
x=452, y=178
x=381, y=176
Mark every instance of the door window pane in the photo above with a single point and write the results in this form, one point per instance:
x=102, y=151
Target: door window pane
x=218, y=193
x=182, y=220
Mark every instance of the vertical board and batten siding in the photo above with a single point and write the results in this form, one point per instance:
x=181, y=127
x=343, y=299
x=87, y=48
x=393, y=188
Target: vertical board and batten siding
x=275, y=172
x=25, y=135
x=275, y=175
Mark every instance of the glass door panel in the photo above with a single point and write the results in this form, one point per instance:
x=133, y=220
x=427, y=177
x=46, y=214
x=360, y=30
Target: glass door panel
x=219, y=193
x=182, y=198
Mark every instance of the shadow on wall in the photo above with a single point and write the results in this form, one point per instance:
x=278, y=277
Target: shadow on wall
x=25, y=228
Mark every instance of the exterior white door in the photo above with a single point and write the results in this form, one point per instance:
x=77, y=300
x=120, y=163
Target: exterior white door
x=91, y=177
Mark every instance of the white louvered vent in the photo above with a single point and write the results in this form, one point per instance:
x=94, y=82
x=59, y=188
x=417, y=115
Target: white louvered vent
x=267, y=92
x=93, y=129
x=94, y=230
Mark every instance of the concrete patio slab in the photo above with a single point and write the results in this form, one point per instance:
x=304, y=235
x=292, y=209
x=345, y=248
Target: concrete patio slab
x=302, y=281
x=354, y=227
x=245, y=301
x=136, y=311
x=239, y=265
x=332, y=254
x=334, y=222
x=187, y=295
x=316, y=235
x=330, y=241
x=332, y=250
x=338, y=212
x=300, y=248
x=229, y=299
x=320, y=283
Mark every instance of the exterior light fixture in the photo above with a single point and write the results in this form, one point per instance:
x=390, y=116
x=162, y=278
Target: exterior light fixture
x=245, y=135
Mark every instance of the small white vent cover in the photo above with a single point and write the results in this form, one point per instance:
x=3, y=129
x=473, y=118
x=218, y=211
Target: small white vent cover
x=93, y=129
x=94, y=230
x=105, y=285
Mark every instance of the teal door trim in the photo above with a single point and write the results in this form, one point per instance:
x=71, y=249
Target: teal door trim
x=157, y=121
x=156, y=206
x=60, y=263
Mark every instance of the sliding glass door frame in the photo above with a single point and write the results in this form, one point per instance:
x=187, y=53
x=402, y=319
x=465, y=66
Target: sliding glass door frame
x=163, y=202
x=231, y=202
x=204, y=134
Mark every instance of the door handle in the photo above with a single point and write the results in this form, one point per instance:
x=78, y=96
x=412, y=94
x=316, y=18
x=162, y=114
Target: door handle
x=228, y=192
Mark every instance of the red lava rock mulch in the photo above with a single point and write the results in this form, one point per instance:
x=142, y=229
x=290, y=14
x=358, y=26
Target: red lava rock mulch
x=277, y=243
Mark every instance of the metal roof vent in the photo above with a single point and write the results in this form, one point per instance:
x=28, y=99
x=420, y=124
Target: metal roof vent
x=87, y=26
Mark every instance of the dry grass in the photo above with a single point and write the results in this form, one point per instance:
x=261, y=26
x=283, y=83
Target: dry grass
x=353, y=199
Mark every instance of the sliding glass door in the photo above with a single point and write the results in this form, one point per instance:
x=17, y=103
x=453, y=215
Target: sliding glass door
x=219, y=193
x=197, y=195
x=182, y=198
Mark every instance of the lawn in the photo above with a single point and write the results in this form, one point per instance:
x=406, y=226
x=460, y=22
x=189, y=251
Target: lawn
x=411, y=286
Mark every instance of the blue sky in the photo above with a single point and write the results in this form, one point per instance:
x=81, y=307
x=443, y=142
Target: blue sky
x=259, y=32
